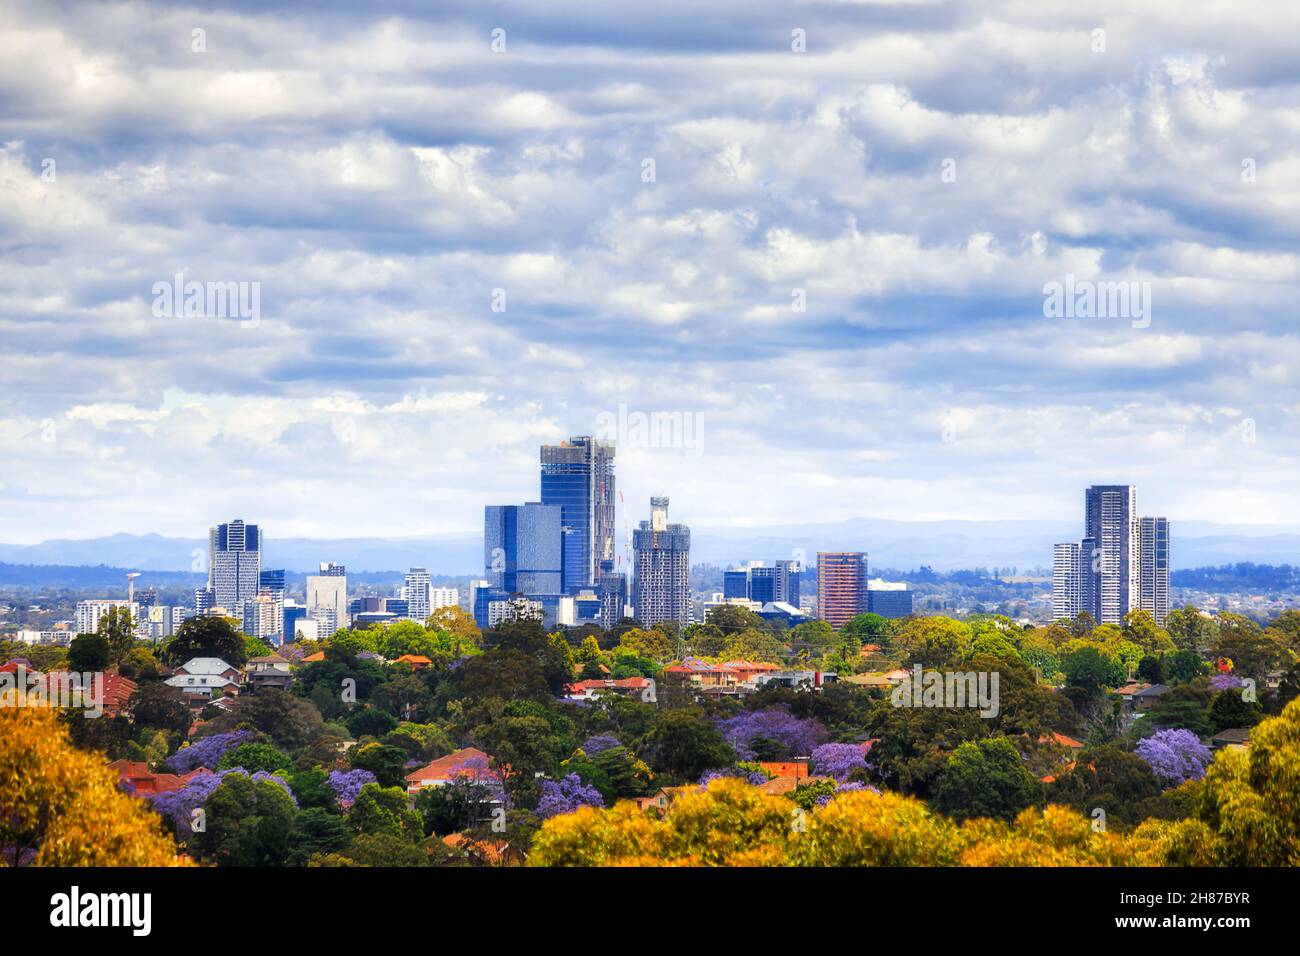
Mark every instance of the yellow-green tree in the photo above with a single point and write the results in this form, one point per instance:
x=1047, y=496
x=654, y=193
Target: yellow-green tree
x=1249, y=812
x=63, y=805
x=735, y=824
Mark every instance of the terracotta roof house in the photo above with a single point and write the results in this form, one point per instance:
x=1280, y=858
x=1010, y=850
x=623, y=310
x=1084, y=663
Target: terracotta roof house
x=782, y=785
x=417, y=661
x=466, y=763
x=1061, y=740
x=798, y=769
x=746, y=671
x=314, y=658
x=587, y=689
x=136, y=777
x=117, y=689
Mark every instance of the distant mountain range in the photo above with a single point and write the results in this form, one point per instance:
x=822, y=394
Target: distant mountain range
x=942, y=545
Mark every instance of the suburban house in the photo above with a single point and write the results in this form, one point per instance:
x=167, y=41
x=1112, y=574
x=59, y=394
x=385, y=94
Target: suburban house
x=778, y=786
x=417, y=661
x=587, y=689
x=204, y=679
x=135, y=777
x=269, y=671
x=208, y=667
x=117, y=690
x=1234, y=738
x=468, y=763
x=1147, y=697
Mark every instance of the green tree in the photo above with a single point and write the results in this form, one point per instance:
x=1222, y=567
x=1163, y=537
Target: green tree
x=248, y=823
x=684, y=743
x=317, y=830
x=89, y=652
x=385, y=810
x=206, y=637
x=254, y=757
x=986, y=778
x=118, y=630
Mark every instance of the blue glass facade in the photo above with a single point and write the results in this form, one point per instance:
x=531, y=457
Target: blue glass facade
x=578, y=476
x=523, y=549
x=891, y=604
x=735, y=584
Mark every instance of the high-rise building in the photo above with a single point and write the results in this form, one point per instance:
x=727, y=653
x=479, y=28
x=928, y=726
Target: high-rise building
x=234, y=564
x=328, y=591
x=271, y=583
x=841, y=586
x=416, y=590
x=788, y=573
x=735, y=583
x=1067, y=581
x=523, y=548
x=443, y=597
x=661, y=583
x=890, y=599
x=611, y=589
x=1153, y=578
x=1111, y=524
x=578, y=475
x=1120, y=566
x=90, y=612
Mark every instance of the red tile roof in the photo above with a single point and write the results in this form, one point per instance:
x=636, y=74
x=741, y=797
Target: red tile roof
x=454, y=765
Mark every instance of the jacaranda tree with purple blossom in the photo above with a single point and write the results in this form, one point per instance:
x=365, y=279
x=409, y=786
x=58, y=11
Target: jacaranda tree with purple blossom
x=837, y=760
x=771, y=734
x=347, y=784
x=1175, y=756
x=177, y=806
x=566, y=795
x=206, y=751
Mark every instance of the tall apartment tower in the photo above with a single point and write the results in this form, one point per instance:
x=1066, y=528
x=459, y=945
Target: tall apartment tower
x=417, y=591
x=1153, y=577
x=234, y=564
x=1111, y=524
x=327, y=594
x=661, y=580
x=578, y=475
x=1067, y=581
x=841, y=586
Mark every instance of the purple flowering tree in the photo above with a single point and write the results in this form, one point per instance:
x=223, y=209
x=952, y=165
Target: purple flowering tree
x=347, y=785
x=1175, y=756
x=837, y=760
x=206, y=751
x=753, y=777
x=1225, y=682
x=773, y=731
x=567, y=795
x=600, y=743
x=177, y=806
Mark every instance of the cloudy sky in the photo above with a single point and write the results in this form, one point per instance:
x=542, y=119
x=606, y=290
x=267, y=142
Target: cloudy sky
x=461, y=252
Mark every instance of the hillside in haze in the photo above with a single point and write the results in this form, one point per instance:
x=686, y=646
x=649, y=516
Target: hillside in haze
x=942, y=545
